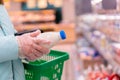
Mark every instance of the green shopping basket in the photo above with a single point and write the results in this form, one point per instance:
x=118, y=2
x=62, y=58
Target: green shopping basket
x=48, y=67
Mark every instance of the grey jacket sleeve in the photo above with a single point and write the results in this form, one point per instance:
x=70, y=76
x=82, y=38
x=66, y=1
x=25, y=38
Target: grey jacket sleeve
x=8, y=48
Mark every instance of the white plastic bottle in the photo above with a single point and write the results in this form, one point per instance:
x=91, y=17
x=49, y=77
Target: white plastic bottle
x=53, y=37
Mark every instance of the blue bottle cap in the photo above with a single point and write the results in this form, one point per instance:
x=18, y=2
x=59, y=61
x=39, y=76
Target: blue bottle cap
x=63, y=34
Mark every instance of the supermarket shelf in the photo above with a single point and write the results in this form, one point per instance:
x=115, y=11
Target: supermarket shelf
x=106, y=51
x=107, y=24
x=32, y=17
x=110, y=33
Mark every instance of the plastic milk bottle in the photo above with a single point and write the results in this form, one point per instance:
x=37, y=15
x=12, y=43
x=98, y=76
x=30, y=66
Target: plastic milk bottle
x=53, y=37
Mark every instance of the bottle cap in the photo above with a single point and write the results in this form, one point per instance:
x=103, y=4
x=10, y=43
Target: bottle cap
x=63, y=34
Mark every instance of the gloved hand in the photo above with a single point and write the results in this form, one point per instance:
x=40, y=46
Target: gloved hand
x=29, y=47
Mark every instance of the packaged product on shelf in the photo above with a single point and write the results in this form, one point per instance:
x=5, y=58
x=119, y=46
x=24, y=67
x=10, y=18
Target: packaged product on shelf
x=88, y=53
x=105, y=6
x=42, y=3
x=31, y=3
x=82, y=42
x=116, y=47
x=58, y=3
x=85, y=50
x=101, y=72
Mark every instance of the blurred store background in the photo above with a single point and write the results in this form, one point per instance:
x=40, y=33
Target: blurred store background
x=92, y=27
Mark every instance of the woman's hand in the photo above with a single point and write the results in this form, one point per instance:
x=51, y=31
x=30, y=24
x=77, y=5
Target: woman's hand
x=29, y=47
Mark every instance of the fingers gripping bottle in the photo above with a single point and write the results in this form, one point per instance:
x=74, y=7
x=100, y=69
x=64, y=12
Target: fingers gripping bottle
x=53, y=37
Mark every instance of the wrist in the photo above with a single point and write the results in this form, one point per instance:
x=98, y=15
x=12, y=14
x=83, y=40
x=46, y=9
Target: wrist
x=20, y=53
